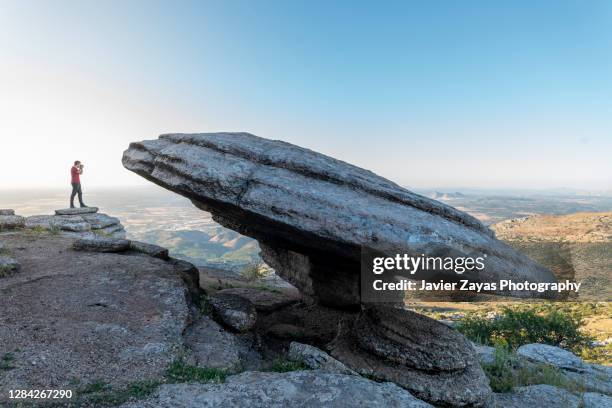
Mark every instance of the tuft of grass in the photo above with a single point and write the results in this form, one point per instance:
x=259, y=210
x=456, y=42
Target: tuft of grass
x=204, y=306
x=255, y=271
x=101, y=394
x=507, y=372
x=285, y=366
x=6, y=362
x=181, y=372
x=95, y=387
x=37, y=229
x=521, y=325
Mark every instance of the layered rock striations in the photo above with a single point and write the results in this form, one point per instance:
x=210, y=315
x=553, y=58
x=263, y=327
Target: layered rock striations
x=313, y=214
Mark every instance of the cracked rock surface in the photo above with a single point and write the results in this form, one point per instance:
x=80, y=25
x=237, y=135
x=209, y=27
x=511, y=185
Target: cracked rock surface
x=86, y=316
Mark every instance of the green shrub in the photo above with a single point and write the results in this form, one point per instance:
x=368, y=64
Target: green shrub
x=255, y=271
x=6, y=362
x=523, y=325
x=501, y=370
x=284, y=366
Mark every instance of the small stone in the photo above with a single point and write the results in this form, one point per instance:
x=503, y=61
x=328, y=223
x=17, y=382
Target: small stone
x=113, y=231
x=101, y=244
x=155, y=251
x=543, y=353
x=6, y=211
x=317, y=359
x=486, y=354
x=76, y=211
x=234, y=311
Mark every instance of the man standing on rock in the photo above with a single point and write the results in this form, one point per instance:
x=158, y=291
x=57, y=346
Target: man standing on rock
x=75, y=180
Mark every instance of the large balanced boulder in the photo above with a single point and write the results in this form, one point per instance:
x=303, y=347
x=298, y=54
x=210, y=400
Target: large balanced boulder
x=313, y=214
x=314, y=218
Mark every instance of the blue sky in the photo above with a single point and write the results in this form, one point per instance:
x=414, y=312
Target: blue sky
x=427, y=93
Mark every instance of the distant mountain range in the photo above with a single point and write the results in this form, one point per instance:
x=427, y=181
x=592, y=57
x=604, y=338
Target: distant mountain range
x=216, y=246
x=436, y=195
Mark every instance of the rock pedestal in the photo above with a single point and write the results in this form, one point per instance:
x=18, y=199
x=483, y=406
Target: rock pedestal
x=313, y=216
x=431, y=360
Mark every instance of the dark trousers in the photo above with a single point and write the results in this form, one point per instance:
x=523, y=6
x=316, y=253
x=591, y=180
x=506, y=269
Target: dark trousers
x=76, y=189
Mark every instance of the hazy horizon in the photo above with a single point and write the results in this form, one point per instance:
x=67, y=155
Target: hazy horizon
x=462, y=95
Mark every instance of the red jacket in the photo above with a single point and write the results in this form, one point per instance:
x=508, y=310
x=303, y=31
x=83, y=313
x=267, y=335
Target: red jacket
x=74, y=175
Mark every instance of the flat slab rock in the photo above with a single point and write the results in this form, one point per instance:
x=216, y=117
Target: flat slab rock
x=96, y=316
x=299, y=389
x=85, y=225
x=149, y=249
x=317, y=212
x=263, y=300
x=101, y=244
x=537, y=396
x=558, y=357
x=76, y=211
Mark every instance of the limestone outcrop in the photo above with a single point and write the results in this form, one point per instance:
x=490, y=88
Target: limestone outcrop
x=300, y=389
x=96, y=317
x=313, y=214
x=84, y=222
x=9, y=220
